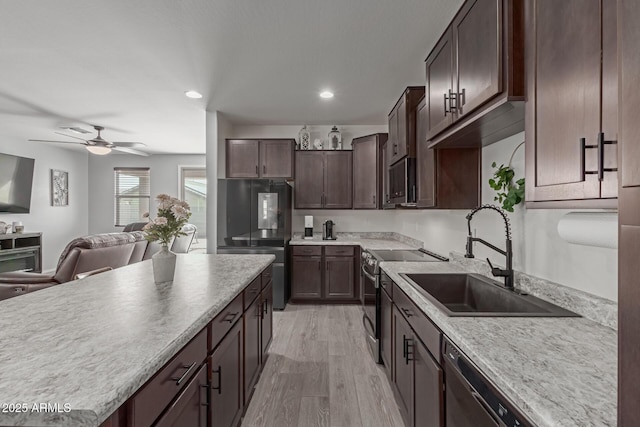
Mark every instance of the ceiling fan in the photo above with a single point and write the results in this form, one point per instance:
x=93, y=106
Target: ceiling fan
x=99, y=145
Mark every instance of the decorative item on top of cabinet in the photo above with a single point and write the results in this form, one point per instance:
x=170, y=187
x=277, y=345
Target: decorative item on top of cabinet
x=402, y=125
x=323, y=179
x=304, y=138
x=368, y=171
x=260, y=158
x=446, y=178
x=475, y=76
x=335, y=139
x=571, y=110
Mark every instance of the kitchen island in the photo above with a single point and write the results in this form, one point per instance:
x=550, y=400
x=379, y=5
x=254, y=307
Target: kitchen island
x=85, y=347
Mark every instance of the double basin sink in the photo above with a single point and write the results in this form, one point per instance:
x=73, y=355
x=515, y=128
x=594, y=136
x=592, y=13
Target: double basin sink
x=472, y=295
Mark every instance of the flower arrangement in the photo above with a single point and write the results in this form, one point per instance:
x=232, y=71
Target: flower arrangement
x=173, y=214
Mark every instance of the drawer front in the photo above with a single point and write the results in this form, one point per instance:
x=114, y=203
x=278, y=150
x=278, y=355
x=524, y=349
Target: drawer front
x=225, y=321
x=307, y=250
x=427, y=331
x=154, y=396
x=339, y=250
x=267, y=275
x=251, y=292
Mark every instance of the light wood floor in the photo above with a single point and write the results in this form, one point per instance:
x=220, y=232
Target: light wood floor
x=320, y=373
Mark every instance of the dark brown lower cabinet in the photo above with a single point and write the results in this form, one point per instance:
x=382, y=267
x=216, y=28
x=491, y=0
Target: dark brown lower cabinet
x=339, y=277
x=225, y=379
x=327, y=273
x=190, y=407
x=402, y=368
x=386, y=314
x=428, y=402
x=252, y=350
x=266, y=321
x=306, y=273
x=418, y=378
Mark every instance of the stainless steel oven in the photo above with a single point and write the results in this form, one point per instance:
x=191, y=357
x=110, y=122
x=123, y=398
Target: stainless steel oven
x=370, y=285
x=370, y=298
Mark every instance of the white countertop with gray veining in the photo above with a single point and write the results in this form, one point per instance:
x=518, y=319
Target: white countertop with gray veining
x=92, y=343
x=368, y=241
x=558, y=371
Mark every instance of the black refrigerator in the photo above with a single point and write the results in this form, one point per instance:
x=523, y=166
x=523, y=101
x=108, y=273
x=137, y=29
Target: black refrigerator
x=254, y=217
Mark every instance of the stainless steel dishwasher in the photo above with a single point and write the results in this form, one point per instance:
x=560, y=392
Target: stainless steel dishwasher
x=470, y=398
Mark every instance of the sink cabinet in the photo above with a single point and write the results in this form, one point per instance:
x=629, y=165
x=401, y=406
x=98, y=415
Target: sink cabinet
x=324, y=273
x=417, y=376
x=571, y=110
x=413, y=362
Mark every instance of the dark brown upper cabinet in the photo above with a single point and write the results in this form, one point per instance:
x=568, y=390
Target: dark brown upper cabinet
x=446, y=178
x=571, y=109
x=475, y=76
x=629, y=237
x=368, y=171
x=323, y=179
x=264, y=158
x=402, y=125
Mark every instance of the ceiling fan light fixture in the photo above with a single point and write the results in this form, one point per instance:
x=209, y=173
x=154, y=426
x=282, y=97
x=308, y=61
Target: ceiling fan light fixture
x=100, y=150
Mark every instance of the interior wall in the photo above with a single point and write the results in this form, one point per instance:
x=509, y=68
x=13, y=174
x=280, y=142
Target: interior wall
x=60, y=224
x=538, y=249
x=164, y=179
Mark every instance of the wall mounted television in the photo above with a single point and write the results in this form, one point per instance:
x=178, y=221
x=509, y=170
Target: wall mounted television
x=16, y=180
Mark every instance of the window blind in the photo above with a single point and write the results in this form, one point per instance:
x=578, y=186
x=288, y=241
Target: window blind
x=132, y=194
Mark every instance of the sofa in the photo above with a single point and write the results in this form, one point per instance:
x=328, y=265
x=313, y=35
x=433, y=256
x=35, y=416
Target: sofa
x=96, y=252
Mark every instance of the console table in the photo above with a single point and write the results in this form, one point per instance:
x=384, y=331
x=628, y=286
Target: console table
x=21, y=252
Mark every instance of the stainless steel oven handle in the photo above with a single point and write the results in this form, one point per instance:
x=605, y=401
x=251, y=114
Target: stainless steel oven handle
x=370, y=276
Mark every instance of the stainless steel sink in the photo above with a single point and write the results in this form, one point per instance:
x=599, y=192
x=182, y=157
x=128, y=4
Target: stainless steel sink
x=475, y=295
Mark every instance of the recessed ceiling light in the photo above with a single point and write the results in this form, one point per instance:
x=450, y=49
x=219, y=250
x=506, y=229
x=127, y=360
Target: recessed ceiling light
x=326, y=94
x=193, y=94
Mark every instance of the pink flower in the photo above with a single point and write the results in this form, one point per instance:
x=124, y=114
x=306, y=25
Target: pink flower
x=147, y=226
x=145, y=215
x=160, y=221
x=162, y=197
x=179, y=212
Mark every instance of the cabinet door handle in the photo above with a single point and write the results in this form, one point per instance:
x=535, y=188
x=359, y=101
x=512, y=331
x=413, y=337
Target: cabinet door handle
x=264, y=168
x=374, y=199
x=265, y=307
x=257, y=171
x=188, y=368
x=219, y=386
x=583, y=163
x=408, y=356
x=601, y=169
x=446, y=110
x=19, y=289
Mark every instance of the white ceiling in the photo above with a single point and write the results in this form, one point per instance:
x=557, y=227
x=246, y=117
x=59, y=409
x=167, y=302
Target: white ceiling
x=125, y=64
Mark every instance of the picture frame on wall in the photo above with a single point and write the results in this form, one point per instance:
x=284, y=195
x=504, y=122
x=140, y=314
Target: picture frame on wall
x=59, y=188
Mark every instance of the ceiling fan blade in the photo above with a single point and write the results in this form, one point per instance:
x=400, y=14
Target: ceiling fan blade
x=129, y=144
x=130, y=151
x=70, y=136
x=57, y=142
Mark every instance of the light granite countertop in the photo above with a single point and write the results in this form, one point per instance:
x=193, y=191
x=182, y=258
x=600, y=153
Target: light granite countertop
x=92, y=343
x=371, y=241
x=557, y=371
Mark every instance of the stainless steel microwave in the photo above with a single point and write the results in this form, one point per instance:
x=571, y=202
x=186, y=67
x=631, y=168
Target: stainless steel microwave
x=402, y=183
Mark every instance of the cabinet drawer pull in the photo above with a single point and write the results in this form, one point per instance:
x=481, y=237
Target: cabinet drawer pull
x=406, y=312
x=265, y=308
x=219, y=386
x=230, y=317
x=188, y=368
x=19, y=289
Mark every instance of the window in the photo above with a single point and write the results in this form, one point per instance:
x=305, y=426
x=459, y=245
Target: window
x=132, y=192
x=193, y=190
